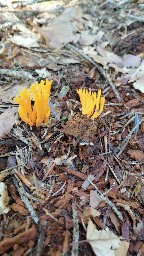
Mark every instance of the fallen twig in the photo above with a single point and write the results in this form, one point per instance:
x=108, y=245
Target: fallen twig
x=22, y=238
x=126, y=140
x=75, y=231
x=40, y=243
x=105, y=199
x=26, y=201
x=128, y=209
x=111, y=169
x=99, y=68
x=137, y=18
x=50, y=215
x=122, y=2
x=17, y=73
x=79, y=175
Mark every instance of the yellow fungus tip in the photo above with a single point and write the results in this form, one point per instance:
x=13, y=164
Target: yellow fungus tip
x=92, y=103
x=38, y=112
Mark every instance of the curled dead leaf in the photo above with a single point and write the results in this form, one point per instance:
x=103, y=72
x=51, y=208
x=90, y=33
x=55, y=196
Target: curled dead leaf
x=7, y=120
x=103, y=242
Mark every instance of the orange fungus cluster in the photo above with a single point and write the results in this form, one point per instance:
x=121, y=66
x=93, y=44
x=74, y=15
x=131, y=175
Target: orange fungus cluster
x=92, y=103
x=34, y=103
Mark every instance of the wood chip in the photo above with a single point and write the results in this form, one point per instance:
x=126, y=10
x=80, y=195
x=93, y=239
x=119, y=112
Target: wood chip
x=22, y=238
x=136, y=154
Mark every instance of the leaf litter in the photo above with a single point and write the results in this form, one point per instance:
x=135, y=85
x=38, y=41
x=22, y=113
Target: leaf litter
x=78, y=181
x=105, y=241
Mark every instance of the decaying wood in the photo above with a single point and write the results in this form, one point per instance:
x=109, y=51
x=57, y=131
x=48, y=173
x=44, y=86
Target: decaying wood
x=18, y=74
x=22, y=238
x=77, y=174
x=40, y=243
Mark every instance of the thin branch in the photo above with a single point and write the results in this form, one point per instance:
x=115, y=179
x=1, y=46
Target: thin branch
x=40, y=243
x=126, y=140
x=105, y=199
x=122, y=2
x=17, y=73
x=75, y=232
x=137, y=18
x=26, y=202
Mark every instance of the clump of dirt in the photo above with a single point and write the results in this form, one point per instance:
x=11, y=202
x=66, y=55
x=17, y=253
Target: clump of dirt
x=85, y=129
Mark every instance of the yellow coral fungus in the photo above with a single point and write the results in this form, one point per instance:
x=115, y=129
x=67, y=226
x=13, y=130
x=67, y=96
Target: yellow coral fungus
x=38, y=112
x=92, y=103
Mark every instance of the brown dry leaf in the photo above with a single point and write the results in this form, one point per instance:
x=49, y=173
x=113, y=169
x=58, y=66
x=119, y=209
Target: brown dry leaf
x=87, y=39
x=7, y=120
x=58, y=34
x=62, y=30
x=123, y=249
x=115, y=221
x=3, y=175
x=110, y=57
x=3, y=18
x=11, y=17
x=47, y=161
x=25, y=40
x=56, y=110
x=26, y=37
x=141, y=195
x=103, y=242
x=94, y=199
x=99, y=36
x=94, y=212
x=105, y=58
x=132, y=103
x=131, y=66
x=19, y=208
x=64, y=160
x=22, y=28
x=136, y=154
x=43, y=17
x=89, y=211
x=135, y=76
x=4, y=198
x=8, y=91
x=123, y=64
x=130, y=60
x=139, y=84
x=46, y=6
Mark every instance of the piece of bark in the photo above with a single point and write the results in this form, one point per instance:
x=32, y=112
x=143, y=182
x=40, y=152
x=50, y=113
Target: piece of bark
x=136, y=154
x=18, y=208
x=19, y=251
x=141, y=195
x=132, y=103
x=7, y=243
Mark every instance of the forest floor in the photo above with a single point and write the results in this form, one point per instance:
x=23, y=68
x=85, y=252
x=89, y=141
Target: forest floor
x=76, y=185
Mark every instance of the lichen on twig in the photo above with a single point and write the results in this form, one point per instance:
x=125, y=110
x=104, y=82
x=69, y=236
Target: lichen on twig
x=75, y=231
